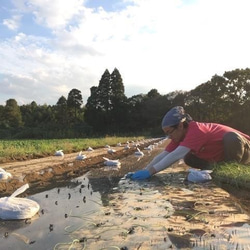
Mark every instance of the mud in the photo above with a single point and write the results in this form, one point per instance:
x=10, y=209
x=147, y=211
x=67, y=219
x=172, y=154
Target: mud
x=164, y=212
x=48, y=172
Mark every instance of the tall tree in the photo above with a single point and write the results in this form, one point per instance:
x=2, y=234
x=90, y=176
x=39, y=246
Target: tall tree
x=98, y=104
x=107, y=103
x=61, y=110
x=104, y=91
x=116, y=86
x=93, y=109
x=12, y=114
x=3, y=123
x=118, y=102
x=74, y=103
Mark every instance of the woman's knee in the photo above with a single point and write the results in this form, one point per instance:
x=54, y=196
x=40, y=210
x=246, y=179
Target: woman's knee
x=231, y=137
x=195, y=162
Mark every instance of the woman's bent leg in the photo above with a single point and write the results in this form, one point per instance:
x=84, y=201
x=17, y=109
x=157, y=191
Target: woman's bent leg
x=195, y=162
x=236, y=148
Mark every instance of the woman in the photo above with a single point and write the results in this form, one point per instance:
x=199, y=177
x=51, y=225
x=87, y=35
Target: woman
x=199, y=144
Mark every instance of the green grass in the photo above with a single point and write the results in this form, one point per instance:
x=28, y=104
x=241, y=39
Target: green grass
x=234, y=174
x=13, y=149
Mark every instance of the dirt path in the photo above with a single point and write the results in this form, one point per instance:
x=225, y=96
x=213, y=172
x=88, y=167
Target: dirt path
x=164, y=212
x=45, y=173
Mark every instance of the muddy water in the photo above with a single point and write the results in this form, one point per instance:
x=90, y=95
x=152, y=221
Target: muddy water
x=102, y=210
x=60, y=210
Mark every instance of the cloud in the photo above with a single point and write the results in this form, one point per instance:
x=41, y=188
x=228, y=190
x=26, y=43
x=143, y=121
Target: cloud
x=167, y=45
x=53, y=14
x=13, y=23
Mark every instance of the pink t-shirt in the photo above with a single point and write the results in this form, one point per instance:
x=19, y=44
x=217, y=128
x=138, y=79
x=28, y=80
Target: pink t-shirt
x=205, y=140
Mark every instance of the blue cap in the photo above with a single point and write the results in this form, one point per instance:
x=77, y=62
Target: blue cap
x=174, y=116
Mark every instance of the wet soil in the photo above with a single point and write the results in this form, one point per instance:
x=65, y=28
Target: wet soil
x=48, y=172
x=201, y=216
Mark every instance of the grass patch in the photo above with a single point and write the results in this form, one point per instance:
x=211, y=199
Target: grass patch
x=234, y=174
x=13, y=149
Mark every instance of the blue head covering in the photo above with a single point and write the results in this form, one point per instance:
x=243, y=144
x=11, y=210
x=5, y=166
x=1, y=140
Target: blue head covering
x=174, y=116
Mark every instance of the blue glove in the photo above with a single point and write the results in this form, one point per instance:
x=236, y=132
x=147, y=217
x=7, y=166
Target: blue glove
x=141, y=175
x=129, y=175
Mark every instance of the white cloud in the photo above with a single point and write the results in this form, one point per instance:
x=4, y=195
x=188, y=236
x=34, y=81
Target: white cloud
x=13, y=23
x=53, y=14
x=167, y=45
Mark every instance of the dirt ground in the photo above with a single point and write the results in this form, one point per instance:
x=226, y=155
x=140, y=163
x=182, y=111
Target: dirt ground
x=48, y=172
x=201, y=215
x=166, y=211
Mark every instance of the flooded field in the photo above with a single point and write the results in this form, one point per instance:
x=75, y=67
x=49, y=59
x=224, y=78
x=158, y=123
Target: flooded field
x=103, y=210
x=58, y=216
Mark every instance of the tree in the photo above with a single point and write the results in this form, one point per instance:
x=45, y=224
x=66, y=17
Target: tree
x=104, y=91
x=118, y=102
x=136, y=120
x=29, y=114
x=237, y=85
x=107, y=104
x=61, y=110
x=206, y=102
x=98, y=104
x=74, y=103
x=93, y=109
x=12, y=114
x=116, y=87
x=3, y=122
x=153, y=93
x=237, y=96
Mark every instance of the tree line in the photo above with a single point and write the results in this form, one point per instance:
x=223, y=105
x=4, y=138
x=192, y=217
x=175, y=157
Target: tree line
x=223, y=99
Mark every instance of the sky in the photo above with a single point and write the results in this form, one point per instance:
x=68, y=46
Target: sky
x=49, y=47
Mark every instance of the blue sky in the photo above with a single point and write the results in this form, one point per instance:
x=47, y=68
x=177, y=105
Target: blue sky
x=49, y=47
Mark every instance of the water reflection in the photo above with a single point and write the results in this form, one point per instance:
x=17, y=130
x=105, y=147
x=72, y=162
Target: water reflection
x=231, y=238
x=133, y=213
x=104, y=185
x=62, y=211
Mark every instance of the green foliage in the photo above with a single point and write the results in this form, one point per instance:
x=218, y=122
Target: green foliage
x=61, y=109
x=223, y=99
x=207, y=101
x=235, y=174
x=11, y=116
x=106, y=108
x=37, y=148
x=74, y=103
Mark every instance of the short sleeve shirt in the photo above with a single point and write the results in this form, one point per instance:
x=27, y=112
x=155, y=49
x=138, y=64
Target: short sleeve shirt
x=205, y=140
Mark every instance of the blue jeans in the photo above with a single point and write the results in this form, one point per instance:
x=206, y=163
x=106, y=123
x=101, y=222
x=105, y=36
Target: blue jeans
x=236, y=149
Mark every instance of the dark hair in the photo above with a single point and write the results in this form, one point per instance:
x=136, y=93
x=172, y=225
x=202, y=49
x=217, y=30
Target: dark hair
x=185, y=125
x=175, y=126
